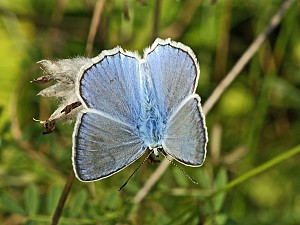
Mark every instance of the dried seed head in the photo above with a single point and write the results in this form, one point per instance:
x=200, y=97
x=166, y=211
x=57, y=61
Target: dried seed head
x=64, y=72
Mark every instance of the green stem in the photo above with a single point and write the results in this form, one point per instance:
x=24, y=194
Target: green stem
x=259, y=169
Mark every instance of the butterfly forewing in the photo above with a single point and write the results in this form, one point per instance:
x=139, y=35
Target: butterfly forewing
x=174, y=72
x=111, y=85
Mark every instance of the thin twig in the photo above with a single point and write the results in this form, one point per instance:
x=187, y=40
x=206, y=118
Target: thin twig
x=151, y=181
x=16, y=132
x=53, y=30
x=187, y=12
x=248, y=54
x=210, y=193
x=275, y=20
x=94, y=26
x=58, y=12
x=222, y=48
x=89, y=48
x=156, y=20
x=259, y=169
x=61, y=203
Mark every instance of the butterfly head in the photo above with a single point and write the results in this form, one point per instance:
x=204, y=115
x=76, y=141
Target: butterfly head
x=155, y=148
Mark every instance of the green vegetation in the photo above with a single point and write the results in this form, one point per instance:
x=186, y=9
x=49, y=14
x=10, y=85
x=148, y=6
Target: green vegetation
x=251, y=173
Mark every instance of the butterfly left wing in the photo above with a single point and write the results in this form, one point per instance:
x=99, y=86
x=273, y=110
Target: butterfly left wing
x=105, y=139
x=103, y=145
x=111, y=84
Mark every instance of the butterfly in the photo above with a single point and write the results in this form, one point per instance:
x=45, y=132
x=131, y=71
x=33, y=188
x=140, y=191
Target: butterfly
x=133, y=104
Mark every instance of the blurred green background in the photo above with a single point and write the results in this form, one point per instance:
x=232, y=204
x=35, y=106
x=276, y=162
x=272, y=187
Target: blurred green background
x=254, y=121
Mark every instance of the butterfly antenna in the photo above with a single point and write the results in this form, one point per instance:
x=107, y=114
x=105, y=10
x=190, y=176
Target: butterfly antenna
x=185, y=173
x=151, y=151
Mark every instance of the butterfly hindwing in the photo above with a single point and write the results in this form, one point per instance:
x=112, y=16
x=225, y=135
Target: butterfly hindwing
x=186, y=136
x=103, y=146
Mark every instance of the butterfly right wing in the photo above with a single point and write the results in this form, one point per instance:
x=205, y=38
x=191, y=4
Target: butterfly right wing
x=174, y=73
x=102, y=146
x=185, y=136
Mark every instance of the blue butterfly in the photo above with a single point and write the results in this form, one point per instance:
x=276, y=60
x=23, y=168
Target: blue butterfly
x=133, y=104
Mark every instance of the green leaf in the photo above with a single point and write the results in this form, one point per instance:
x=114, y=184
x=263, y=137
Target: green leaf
x=204, y=179
x=220, y=181
x=30, y=222
x=221, y=178
x=31, y=199
x=78, y=203
x=221, y=219
x=180, y=177
x=11, y=205
x=53, y=198
x=111, y=201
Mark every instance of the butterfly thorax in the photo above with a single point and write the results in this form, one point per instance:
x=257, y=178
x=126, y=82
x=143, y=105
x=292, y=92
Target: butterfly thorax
x=150, y=122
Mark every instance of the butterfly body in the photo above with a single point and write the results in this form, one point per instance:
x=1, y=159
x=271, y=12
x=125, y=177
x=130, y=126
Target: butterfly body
x=151, y=121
